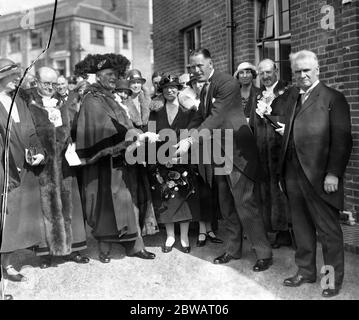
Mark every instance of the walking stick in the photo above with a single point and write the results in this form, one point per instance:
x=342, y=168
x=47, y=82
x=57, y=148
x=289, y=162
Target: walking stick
x=7, y=143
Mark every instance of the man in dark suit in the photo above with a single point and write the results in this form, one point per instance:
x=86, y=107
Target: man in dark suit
x=315, y=151
x=272, y=203
x=220, y=109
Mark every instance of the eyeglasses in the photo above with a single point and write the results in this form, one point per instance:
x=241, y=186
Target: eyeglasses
x=49, y=84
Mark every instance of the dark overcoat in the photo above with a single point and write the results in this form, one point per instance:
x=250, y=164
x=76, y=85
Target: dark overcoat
x=322, y=138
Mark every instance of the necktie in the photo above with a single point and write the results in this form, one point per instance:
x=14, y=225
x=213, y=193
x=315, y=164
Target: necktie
x=203, y=96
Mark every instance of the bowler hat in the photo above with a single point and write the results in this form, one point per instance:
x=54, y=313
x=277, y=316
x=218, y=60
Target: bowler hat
x=123, y=84
x=169, y=80
x=135, y=74
x=8, y=67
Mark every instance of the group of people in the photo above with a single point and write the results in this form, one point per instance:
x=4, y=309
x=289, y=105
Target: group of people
x=69, y=162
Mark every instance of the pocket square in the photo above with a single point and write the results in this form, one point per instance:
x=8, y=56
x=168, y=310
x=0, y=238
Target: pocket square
x=213, y=100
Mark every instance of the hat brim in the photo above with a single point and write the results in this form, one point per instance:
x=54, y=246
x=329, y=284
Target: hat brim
x=129, y=91
x=10, y=72
x=170, y=84
x=140, y=79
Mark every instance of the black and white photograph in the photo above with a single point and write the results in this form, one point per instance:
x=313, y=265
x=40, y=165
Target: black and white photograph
x=179, y=155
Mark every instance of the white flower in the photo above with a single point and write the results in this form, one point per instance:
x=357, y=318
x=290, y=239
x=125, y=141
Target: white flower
x=263, y=108
x=49, y=102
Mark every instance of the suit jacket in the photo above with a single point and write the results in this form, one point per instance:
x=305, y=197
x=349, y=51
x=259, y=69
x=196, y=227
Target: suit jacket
x=322, y=138
x=222, y=110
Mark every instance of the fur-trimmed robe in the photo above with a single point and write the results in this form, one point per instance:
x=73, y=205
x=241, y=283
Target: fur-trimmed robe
x=139, y=120
x=60, y=198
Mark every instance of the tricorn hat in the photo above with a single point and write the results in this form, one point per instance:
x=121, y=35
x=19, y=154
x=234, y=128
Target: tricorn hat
x=8, y=67
x=123, y=84
x=135, y=74
x=97, y=62
x=169, y=80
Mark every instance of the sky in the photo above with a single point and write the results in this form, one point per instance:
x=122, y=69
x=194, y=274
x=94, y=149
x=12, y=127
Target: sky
x=8, y=6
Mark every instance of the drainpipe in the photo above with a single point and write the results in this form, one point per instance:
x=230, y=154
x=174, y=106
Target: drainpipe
x=230, y=25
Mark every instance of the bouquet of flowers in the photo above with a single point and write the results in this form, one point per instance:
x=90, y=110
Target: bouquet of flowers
x=264, y=104
x=171, y=180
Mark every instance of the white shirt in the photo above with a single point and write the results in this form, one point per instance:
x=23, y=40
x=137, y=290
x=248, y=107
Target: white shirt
x=305, y=94
x=6, y=102
x=271, y=88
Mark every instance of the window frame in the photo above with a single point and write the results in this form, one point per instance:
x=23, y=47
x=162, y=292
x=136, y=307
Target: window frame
x=37, y=45
x=127, y=33
x=18, y=37
x=277, y=37
x=94, y=27
x=196, y=28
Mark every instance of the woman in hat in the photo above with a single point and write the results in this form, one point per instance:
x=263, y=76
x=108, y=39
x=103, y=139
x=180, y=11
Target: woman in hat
x=109, y=184
x=172, y=185
x=139, y=101
x=22, y=226
x=245, y=74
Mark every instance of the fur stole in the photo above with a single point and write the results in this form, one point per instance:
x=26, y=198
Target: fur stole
x=55, y=177
x=139, y=120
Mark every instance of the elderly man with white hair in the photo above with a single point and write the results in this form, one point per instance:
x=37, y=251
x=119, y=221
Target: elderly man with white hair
x=315, y=152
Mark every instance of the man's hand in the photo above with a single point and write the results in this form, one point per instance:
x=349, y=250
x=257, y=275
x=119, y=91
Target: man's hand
x=182, y=147
x=152, y=137
x=331, y=183
x=37, y=159
x=280, y=130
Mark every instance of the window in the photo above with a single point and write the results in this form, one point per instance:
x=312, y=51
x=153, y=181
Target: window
x=60, y=66
x=97, y=34
x=273, y=34
x=14, y=43
x=36, y=39
x=191, y=40
x=59, y=35
x=125, y=39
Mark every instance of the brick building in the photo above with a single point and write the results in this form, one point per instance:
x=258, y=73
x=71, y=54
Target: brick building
x=249, y=30
x=81, y=27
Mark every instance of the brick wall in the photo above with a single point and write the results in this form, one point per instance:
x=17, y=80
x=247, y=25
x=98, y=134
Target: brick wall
x=337, y=49
x=338, y=54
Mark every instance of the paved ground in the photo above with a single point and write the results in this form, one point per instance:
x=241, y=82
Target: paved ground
x=173, y=276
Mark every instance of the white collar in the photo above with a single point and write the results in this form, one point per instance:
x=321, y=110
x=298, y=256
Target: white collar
x=301, y=91
x=211, y=74
x=271, y=88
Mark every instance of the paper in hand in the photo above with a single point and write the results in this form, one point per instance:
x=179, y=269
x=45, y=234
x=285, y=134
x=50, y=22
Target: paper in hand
x=71, y=155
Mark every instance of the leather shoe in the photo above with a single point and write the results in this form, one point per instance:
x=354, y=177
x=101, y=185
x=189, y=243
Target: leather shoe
x=297, y=281
x=45, y=262
x=213, y=239
x=186, y=249
x=16, y=277
x=262, y=264
x=8, y=297
x=201, y=243
x=328, y=293
x=104, y=257
x=78, y=258
x=224, y=258
x=144, y=254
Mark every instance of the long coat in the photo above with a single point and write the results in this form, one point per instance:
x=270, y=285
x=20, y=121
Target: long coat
x=139, y=119
x=24, y=219
x=109, y=192
x=64, y=227
x=272, y=201
x=221, y=112
x=322, y=138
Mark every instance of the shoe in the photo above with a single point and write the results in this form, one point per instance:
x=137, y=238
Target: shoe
x=8, y=297
x=78, y=258
x=262, y=264
x=283, y=238
x=213, y=239
x=45, y=262
x=14, y=277
x=201, y=243
x=224, y=258
x=297, y=281
x=104, y=257
x=186, y=249
x=275, y=245
x=328, y=293
x=167, y=249
x=144, y=254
